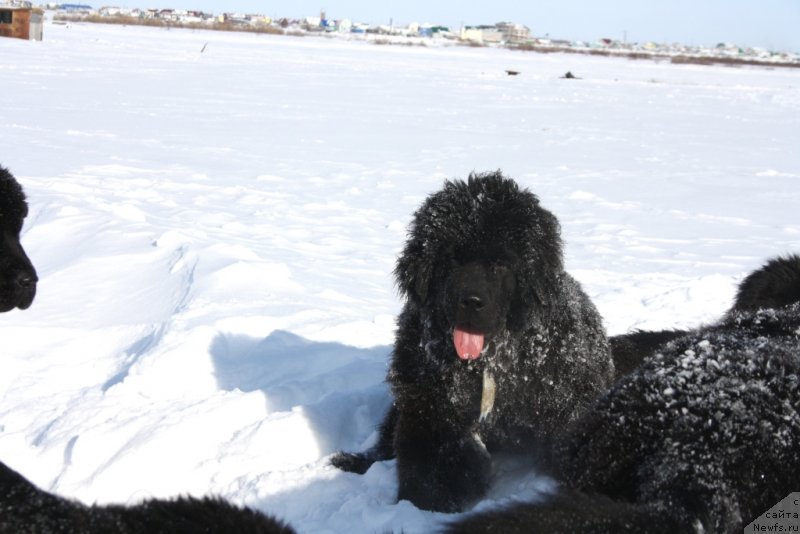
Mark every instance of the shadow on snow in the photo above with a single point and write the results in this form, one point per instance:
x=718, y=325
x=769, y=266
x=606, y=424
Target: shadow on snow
x=339, y=388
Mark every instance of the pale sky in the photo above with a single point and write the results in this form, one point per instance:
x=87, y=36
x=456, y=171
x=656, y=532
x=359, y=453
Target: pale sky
x=771, y=24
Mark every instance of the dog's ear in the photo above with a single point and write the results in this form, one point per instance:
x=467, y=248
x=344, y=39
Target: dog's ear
x=413, y=272
x=542, y=266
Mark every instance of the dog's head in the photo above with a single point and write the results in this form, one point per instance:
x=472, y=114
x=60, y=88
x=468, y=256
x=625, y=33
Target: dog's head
x=775, y=285
x=481, y=257
x=476, y=303
x=17, y=275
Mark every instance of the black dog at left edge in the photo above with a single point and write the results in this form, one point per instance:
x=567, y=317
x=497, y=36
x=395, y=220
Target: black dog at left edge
x=703, y=437
x=17, y=275
x=26, y=509
x=497, y=347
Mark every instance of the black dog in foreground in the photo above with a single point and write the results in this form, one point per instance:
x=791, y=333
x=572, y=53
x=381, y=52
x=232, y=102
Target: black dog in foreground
x=17, y=275
x=26, y=509
x=497, y=347
x=703, y=437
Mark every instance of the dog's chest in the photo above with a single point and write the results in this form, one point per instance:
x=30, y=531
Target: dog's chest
x=499, y=397
x=491, y=393
x=501, y=394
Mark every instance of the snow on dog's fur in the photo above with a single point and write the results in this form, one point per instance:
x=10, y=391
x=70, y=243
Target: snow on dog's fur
x=497, y=346
x=703, y=437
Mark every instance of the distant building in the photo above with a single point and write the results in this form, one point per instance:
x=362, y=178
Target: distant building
x=502, y=32
x=312, y=23
x=109, y=11
x=344, y=25
x=481, y=34
x=21, y=23
x=514, y=33
x=84, y=9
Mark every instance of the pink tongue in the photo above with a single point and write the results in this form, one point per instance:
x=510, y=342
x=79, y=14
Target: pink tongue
x=468, y=344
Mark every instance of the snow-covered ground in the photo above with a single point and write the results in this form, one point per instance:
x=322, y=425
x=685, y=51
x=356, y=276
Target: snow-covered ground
x=215, y=218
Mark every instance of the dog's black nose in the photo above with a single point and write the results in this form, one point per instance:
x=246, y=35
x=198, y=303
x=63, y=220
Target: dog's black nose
x=26, y=280
x=472, y=302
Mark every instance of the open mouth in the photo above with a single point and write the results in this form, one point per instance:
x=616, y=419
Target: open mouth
x=468, y=342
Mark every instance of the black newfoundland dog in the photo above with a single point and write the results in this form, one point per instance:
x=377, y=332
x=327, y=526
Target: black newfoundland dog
x=703, y=437
x=497, y=346
x=774, y=285
x=17, y=275
x=26, y=509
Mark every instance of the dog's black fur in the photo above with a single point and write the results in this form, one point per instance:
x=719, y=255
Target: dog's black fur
x=774, y=285
x=17, y=275
x=484, y=257
x=26, y=509
x=706, y=433
x=630, y=350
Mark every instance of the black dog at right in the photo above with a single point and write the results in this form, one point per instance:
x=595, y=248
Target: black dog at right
x=17, y=275
x=774, y=285
x=703, y=437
